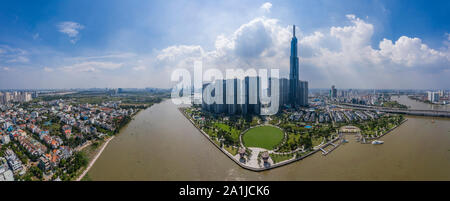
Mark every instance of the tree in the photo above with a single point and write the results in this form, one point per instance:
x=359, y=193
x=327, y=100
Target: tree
x=79, y=160
x=228, y=140
x=306, y=141
x=36, y=172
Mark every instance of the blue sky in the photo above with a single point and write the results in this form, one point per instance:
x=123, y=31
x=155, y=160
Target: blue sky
x=54, y=44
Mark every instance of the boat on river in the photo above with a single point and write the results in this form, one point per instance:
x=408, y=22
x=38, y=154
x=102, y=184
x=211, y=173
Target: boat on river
x=377, y=142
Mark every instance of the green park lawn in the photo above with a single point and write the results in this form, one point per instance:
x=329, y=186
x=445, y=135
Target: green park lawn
x=234, y=132
x=266, y=137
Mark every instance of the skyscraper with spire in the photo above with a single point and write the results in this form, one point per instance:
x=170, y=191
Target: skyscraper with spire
x=243, y=97
x=294, y=74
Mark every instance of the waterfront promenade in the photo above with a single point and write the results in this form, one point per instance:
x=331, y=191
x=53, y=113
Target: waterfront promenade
x=251, y=165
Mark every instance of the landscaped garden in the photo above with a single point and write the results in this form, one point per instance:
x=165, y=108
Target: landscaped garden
x=372, y=128
x=276, y=158
x=286, y=135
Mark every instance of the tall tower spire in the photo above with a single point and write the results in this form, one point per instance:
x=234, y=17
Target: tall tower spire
x=294, y=30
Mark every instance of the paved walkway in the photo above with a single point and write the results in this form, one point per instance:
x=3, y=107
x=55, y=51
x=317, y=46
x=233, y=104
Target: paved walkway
x=94, y=159
x=253, y=161
x=290, y=152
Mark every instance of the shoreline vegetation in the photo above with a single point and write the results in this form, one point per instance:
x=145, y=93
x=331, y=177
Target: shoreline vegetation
x=92, y=161
x=394, y=104
x=250, y=158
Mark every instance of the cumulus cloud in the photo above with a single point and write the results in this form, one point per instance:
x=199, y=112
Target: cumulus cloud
x=341, y=54
x=389, y=65
x=355, y=49
x=180, y=52
x=410, y=52
x=266, y=6
x=71, y=29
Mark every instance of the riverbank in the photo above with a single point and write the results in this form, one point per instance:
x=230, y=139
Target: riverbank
x=392, y=129
x=425, y=101
x=419, y=105
x=91, y=163
x=102, y=148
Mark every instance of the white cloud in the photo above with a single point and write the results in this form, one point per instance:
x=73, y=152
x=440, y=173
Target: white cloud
x=180, y=52
x=180, y=56
x=410, y=52
x=260, y=42
x=447, y=41
x=125, y=55
x=71, y=29
x=35, y=36
x=13, y=55
x=47, y=69
x=92, y=66
x=18, y=59
x=355, y=49
x=139, y=68
x=341, y=55
x=390, y=65
x=266, y=6
x=353, y=37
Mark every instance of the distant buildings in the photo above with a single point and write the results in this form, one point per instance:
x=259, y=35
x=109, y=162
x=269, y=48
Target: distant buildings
x=333, y=92
x=433, y=96
x=16, y=96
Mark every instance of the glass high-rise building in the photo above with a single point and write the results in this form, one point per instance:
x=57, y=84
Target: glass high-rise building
x=294, y=74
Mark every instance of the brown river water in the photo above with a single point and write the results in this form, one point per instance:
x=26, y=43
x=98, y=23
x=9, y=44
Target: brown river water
x=161, y=144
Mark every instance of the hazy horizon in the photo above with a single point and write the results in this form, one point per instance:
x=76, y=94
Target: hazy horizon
x=31, y=89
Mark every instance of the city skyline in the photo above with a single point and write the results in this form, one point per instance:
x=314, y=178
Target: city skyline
x=343, y=46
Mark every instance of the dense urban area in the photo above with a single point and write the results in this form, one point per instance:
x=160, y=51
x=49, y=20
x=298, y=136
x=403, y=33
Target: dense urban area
x=52, y=135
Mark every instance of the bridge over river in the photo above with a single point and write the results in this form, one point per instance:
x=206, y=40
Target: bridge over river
x=431, y=113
